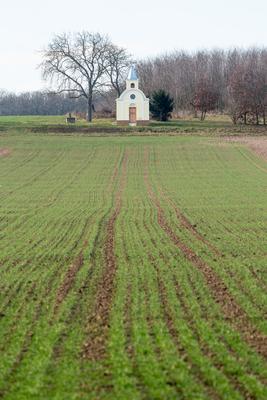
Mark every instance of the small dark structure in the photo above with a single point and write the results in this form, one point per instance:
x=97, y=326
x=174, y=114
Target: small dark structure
x=70, y=119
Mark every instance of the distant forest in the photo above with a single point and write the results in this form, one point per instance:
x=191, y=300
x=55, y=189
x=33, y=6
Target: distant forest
x=38, y=103
x=232, y=82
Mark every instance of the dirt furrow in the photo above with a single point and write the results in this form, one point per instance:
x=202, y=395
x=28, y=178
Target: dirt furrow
x=231, y=310
x=185, y=223
x=69, y=278
x=207, y=349
x=88, y=285
x=98, y=323
x=78, y=262
x=77, y=309
x=190, y=316
x=191, y=228
x=128, y=310
x=174, y=334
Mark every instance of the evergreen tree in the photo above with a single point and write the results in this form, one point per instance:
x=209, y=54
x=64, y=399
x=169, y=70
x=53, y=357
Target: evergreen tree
x=161, y=105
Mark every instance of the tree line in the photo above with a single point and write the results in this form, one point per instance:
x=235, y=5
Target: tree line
x=86, y=70
x=39, y=103
x=233, y=82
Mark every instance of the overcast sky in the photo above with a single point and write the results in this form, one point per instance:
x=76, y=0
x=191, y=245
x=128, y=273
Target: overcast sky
x=144, y=27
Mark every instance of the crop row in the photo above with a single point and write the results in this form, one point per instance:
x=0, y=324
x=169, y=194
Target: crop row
x=132, y=268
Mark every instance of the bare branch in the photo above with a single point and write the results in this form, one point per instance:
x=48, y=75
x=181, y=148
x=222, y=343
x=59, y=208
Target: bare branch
x=77, y=64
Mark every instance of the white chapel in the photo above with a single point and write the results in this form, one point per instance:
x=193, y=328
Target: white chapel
x=132, y=107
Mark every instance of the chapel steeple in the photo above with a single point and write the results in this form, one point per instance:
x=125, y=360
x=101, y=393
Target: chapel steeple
x=132, y=81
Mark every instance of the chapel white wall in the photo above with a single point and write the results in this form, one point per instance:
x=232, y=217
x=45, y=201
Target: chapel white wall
x=141, y=103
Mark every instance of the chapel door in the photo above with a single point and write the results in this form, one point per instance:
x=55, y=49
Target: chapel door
x=132, y=115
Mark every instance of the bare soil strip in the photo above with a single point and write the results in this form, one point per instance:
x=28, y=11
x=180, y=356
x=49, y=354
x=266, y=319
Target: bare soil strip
x=98, y=324
x=89, y=283
x=69, y=279
x=231, y=310
x=88, y=286
x=4, y=152
x=192, y=229
x=184, y=221
x=190, y=318
x=78, y=262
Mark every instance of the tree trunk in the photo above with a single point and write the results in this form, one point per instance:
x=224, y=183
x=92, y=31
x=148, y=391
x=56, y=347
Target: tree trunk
x=89, y=109
x=119, y=91
x=245, y=118
x=203, y=115
x=234, y=118
x=257, y=118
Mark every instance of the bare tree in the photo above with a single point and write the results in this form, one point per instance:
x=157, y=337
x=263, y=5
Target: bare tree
x=205, y=98
x=119, y=61
x=248, y=91
x=78, y=64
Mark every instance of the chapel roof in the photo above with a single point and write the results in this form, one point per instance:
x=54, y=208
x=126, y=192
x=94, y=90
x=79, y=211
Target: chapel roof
x=132, y=75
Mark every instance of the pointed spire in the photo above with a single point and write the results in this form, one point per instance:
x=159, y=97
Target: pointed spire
x=132, y=75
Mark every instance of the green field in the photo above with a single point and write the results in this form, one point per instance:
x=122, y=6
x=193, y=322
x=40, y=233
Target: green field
x=36, y=120
x=214, y=125
x=132, y=268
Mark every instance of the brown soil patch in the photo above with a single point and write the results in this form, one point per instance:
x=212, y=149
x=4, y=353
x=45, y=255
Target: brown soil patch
x=231, y=310
x=4, y=152
x=95, y=346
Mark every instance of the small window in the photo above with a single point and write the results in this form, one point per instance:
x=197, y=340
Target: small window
x=132, y=85
x=132, y=96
